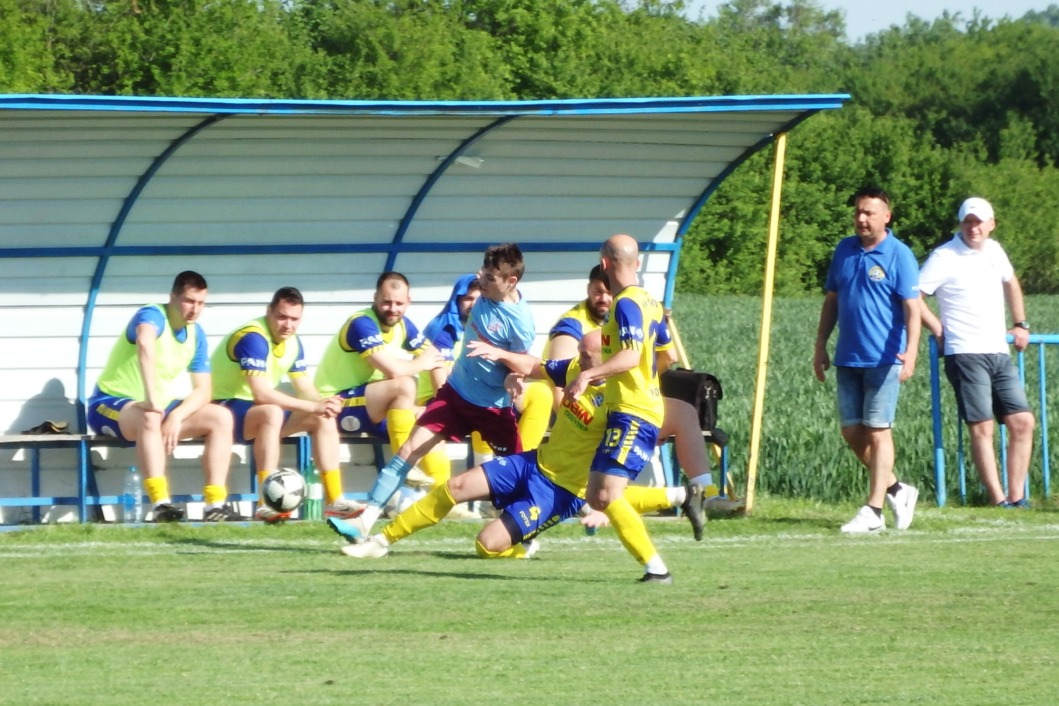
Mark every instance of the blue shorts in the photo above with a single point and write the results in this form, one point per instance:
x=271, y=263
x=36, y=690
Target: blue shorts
x=868, y=396
x=354, y=415
x=532, y=502
x=104, y=410
x=239, y=408
x=986, y=385
x=627, y=446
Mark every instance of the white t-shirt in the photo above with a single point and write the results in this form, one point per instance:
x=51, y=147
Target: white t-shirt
x=969, y=285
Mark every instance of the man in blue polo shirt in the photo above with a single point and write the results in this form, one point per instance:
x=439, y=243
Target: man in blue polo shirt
x=873, y=295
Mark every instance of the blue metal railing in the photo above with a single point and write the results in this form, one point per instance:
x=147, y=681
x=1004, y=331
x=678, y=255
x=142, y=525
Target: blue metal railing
x=1042, y=341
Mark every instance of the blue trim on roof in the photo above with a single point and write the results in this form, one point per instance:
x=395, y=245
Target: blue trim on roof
x=600, y=106
x=310, y=249
x=417, y=201
x=108, y=249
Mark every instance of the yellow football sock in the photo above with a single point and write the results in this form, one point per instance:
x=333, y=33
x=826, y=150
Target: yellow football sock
x=436, y=465
x=480, y=447
x=631, y=530
x=214, y=495
x=261, y=476
x=536, y=414
x=425, y=512
x=332, y=482
x=644, y=499
x=399, y=423
x=516, y=551
x=157, y=489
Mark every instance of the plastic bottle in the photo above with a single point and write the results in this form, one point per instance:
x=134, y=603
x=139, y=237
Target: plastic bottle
x=132, y=497
x=314, y=504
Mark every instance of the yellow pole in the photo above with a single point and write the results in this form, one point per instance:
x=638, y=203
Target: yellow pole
x=766, y=323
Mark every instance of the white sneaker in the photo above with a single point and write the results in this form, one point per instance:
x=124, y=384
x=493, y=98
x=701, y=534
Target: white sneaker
x=417, y=479
x=903, y=505
x=344, y=509
x=532, y=547
x=371, y=549
x=864, y=522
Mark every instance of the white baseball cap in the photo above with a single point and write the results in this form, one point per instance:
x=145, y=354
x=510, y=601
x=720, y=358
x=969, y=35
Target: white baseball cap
x=975, y=206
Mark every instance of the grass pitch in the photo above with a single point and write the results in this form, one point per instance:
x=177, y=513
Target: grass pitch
x=774, y=609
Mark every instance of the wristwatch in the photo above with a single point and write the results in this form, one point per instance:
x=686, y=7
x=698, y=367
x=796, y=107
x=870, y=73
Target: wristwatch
x=1022, y=324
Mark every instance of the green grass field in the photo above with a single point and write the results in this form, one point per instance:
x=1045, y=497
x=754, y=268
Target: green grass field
x=777, y=608
x=774, y=609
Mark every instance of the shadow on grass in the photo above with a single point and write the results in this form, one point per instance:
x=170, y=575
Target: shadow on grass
x=244, y=546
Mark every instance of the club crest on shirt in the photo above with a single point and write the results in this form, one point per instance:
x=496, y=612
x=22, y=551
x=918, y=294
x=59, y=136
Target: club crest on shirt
x=876, y=274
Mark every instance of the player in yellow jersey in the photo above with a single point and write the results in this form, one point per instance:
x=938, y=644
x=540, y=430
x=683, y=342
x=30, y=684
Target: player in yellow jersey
x=247, y=368
x=534, y=490
x=367, y=365
x=681, y=418
x=136, y=398
x=635, y=408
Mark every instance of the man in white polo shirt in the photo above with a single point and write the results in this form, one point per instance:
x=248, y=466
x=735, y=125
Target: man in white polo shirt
x=972, y=277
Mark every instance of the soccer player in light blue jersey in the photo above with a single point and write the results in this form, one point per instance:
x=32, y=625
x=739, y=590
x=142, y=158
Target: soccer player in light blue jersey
x=473, y=398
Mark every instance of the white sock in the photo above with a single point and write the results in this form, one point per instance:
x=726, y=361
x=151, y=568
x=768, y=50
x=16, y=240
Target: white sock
x=381, y=540
x=705, y=480
x=368, y=517
x=655, y=565
x=676, y=495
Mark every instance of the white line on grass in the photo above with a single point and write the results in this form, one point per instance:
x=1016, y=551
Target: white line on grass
x=993, y=532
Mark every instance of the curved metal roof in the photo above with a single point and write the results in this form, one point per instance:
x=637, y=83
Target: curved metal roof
x=336, y=189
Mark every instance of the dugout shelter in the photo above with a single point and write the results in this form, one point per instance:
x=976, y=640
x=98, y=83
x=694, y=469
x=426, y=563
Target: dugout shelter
x=104, y=199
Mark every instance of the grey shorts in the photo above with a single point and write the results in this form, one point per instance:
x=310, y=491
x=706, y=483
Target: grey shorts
x=986, y=385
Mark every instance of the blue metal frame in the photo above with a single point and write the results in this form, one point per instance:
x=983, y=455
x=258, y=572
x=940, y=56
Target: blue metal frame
x=595, y=106
x=1040, y=340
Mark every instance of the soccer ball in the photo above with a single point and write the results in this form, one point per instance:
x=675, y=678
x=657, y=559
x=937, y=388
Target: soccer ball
x=284, y=491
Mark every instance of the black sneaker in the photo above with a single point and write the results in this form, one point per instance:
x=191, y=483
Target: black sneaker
x=222, y=514
x=665, y=578
x=694, y=507
x=167, y=512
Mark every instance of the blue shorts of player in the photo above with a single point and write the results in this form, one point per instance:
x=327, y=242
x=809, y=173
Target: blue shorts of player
x=627, y=446
x=986, y=385
x=239, y=408
x=868, y=396
x=103, y=411
x=531, y=503
x=354, y=415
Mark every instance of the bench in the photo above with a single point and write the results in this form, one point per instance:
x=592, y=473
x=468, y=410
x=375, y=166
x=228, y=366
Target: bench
x=88, y=497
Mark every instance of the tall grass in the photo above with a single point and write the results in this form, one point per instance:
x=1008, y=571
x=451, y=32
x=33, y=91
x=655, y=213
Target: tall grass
x=802, y=453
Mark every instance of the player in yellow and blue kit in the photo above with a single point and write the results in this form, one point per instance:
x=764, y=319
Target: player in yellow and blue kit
x=247, y=368
x=135, y=398
x=367, y=365
x=635, y=408
x=534, y=490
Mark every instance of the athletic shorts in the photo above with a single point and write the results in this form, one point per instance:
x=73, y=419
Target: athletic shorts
x=239, y=408
x=530, y=501
x=868, y=396
x=104, y=411
x=627, y=446
x=354, y=415
x=986, y=385
x=454, y=418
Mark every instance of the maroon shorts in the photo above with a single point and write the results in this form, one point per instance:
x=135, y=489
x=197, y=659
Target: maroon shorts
x=455, y=418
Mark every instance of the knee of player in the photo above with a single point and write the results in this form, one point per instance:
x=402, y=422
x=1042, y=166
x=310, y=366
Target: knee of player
x=490, y=547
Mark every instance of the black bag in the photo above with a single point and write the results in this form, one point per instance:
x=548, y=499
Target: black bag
x=700, y=390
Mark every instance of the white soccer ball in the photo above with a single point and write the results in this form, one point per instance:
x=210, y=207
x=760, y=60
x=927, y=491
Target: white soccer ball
x=284, y=491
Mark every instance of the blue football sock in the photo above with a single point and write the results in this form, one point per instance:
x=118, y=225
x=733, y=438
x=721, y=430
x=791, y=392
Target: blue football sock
x=391, y=477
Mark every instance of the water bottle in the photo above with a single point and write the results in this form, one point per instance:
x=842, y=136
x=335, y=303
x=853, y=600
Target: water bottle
x=314, y=504
x=132, y=498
